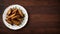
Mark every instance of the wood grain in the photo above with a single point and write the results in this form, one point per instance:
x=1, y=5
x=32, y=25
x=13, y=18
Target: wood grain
x=44, y=16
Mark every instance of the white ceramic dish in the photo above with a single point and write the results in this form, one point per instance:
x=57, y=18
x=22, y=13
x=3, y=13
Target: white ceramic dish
x=15, y=27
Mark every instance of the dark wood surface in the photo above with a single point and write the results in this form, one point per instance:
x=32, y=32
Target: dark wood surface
x=43, y=16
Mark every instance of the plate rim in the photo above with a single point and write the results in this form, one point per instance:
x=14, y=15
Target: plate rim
x=7, y=11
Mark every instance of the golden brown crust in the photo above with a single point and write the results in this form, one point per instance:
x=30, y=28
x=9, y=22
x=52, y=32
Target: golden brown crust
x=20, y=12
x=16, y=22
x=11, y=16
x=14, y=16
x=14, y=10
x=9, y=12
x=9, y=21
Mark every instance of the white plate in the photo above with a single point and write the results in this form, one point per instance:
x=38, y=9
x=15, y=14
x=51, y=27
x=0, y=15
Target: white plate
x=15, y=27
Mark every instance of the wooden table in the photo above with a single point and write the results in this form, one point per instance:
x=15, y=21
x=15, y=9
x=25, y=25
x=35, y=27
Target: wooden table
x=43, y=16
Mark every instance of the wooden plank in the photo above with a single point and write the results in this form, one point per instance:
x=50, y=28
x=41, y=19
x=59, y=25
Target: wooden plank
x=44, y=16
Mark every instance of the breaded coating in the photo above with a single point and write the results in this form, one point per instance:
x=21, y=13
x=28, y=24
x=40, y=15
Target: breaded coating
x=14, y=16
x=20, y=12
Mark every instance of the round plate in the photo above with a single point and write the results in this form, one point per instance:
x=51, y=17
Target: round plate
x=15, y=27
